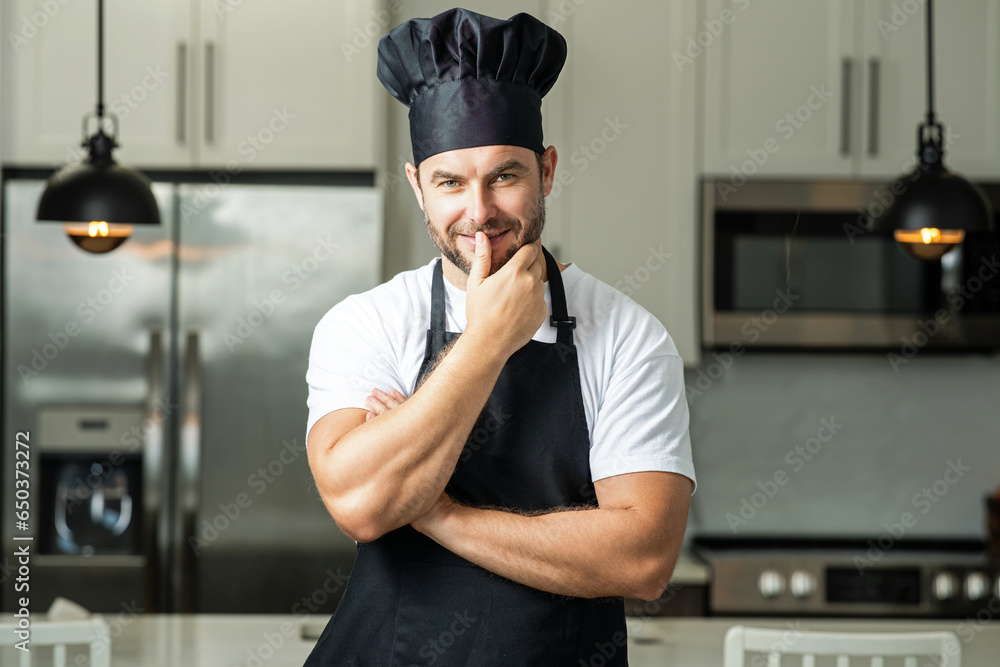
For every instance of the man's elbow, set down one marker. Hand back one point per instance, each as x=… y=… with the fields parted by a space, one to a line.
x=355 y=519
x=653 y=577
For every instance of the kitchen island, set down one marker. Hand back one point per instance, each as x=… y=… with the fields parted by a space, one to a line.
x=278 y=641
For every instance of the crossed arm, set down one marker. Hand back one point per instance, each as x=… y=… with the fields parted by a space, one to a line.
x=628 y=545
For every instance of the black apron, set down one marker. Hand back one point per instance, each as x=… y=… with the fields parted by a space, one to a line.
x=410 y=601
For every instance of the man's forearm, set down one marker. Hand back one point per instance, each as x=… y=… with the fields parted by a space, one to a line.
x=390 y=470
x=584 y=553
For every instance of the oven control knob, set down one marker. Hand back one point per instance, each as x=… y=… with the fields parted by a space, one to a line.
x=977 y=586
x=945 y=586
x=801 y=584
x=771 y=583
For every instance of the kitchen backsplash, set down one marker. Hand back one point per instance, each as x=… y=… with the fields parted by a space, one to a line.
x=844 y=444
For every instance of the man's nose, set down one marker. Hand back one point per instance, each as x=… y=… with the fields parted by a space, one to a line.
x=481 y=205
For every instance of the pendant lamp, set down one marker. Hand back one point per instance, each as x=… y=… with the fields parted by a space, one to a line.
x=934 y=208
x=98 y=201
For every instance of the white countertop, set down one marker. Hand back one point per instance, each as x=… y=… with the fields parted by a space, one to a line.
x=275 y=641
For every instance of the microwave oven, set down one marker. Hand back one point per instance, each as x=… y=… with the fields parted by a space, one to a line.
x=794 y=264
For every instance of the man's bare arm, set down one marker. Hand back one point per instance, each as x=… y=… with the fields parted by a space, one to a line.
x=375 y=476
x=628 y=546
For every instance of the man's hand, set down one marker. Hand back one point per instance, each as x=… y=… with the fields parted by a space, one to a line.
x=507 y=308
x=379 y=402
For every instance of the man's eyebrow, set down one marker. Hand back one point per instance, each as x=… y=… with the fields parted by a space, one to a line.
x=513 y=164
x=441 y=175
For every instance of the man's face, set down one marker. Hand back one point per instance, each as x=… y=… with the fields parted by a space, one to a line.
x=499 y=190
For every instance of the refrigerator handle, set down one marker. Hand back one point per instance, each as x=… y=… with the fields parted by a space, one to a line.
x=189 y=468
x=154 y=541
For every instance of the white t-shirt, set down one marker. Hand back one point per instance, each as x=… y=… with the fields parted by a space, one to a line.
x=630 y=373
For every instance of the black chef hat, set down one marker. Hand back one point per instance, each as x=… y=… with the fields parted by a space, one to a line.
x=471 y=80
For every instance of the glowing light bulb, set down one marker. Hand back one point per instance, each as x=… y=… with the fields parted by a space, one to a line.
x=928 y=243
x=98 y=228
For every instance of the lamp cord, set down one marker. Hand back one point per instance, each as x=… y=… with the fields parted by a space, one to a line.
x=100 y=62
x=930 y=62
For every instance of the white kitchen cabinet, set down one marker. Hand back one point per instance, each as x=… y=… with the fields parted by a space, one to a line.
x=966 y=81
x=763 y=71
x=51 y=79
x=777 y=86
x=288 y=84
x=196 y=83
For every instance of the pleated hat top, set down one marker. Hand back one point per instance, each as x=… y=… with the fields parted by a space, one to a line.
x=471 y=80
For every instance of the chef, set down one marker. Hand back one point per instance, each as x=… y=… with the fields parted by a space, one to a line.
x=504 y=435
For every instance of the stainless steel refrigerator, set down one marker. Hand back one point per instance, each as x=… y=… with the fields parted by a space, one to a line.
x=163 y=388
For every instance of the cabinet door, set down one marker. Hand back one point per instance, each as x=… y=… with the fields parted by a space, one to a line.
x=288 y=84
x=51 y=79
x=777 y=99
x=966 y=80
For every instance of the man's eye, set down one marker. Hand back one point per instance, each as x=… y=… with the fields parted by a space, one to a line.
x=505 y=177
x=449 y=184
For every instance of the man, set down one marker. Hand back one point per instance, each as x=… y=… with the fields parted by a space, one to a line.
x=507 y=486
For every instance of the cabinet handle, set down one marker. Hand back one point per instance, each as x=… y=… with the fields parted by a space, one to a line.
x=209 y=92
x=874 y=86
x=845 y=107
x=181 y=110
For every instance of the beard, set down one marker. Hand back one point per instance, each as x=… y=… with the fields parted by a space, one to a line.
x=525 y=233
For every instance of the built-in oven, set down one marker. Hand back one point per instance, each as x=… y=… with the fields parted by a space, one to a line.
x=795 y=264
x=877 y=576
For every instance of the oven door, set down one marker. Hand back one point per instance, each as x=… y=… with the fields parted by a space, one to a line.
x=793 y=265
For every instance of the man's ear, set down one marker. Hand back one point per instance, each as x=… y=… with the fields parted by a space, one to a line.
x=549 y=160
x=411 y=176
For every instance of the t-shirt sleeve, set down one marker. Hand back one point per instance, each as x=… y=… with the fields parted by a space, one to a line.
x=349 y=356
x=642 y=424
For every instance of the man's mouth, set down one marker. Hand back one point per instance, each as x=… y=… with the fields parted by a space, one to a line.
x=495 y=238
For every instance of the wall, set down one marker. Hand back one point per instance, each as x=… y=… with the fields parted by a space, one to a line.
x=854 y=441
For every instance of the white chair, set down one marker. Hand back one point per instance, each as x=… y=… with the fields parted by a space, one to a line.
x=842 y=645
x=93 y=631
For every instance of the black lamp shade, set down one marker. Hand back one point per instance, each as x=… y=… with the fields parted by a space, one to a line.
x=936 y=199
x=108 y=192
